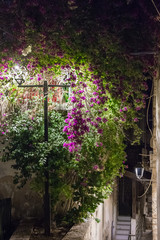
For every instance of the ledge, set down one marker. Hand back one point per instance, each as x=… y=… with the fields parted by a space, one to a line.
x=79 y=232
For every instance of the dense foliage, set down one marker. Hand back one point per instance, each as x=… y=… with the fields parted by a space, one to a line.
x=27 y=147
x=89 y=179
x=88 y=43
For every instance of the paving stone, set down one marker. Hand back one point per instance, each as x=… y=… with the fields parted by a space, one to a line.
x=23 y=231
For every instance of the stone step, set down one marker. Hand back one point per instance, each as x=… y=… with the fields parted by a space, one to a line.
x=125 y=223
x=124 y=227
x=124 y=218
x=121 y=237
x=122 y=232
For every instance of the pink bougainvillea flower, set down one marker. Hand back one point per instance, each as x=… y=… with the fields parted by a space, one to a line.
x=138 y=108
x=105 y=120
x=65 y=144
x=95 y=167
x=98 y=119
x=83 y=98
x=135 y=119
x=100 y=131
x=65 y=128
x=123 y=119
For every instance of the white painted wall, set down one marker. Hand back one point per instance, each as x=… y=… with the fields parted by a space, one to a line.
x=91 y=230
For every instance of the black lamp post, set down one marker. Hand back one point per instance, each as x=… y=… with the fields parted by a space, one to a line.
x=47 y=209
x=139 y=170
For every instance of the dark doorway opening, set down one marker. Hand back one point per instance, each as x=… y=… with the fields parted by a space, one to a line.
x=125 y=196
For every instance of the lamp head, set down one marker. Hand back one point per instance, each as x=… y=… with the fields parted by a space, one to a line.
x=20 y=81
x=139 y=170
x=19 y=74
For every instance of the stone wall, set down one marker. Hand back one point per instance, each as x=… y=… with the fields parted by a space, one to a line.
x=25 y=202
x=91 y=230
x=154 y=161
x=139 y=226
x=157 y=147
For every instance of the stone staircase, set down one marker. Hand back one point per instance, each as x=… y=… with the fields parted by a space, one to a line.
x=123 y=227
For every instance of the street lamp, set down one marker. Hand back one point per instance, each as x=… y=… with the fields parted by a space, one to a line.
x=47 y=209
x=20 y=81
x=19 y=74
x=139 y=170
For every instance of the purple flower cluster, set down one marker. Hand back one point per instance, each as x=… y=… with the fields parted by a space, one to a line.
x=76 y=128
x=39 y=77
x=79 y=121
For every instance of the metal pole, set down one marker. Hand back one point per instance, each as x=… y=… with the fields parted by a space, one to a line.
x=47 y=212
x=45 y=111
x=47 y=205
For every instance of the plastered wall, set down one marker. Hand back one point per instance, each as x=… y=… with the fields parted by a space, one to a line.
x=91 y=230
x=25 y=202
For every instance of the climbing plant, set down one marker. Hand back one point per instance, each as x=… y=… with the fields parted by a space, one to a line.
x=71 y=40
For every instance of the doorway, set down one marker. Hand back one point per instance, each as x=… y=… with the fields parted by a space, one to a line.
x=125 y=196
